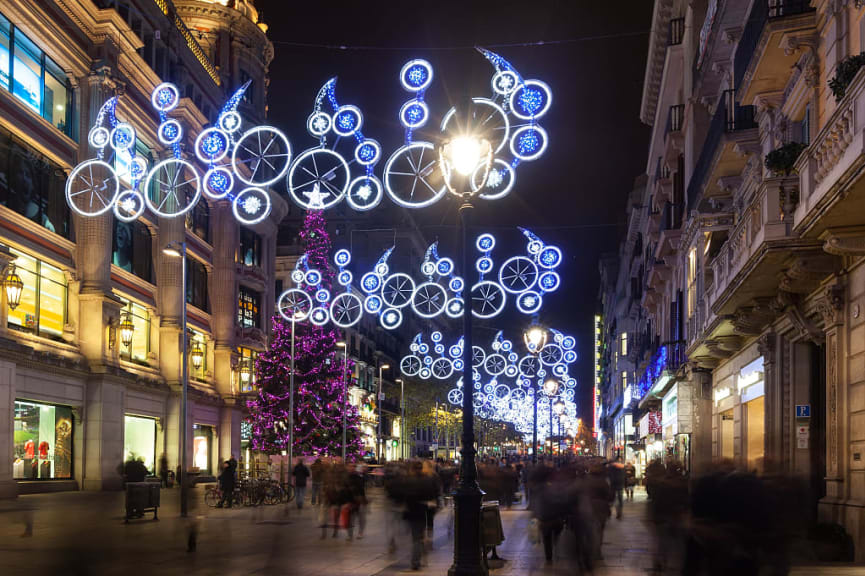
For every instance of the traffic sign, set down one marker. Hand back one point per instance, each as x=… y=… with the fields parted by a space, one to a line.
x=803 y=410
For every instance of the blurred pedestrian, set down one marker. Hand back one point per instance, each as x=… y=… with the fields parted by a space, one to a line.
x=300 y=473
x=227 y=482
x=617 y=483
x=357 y=486
x=630 y=480
x=316 y=471
x=163 y=470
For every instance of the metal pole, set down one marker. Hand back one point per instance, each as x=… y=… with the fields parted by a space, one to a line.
x=535 y=422
x=402 y=427
x=344 y=396
x=436 y=452
x=551 y=425
x=291 y=404
x=184 y=465
x=378 y=401
x=468 y=495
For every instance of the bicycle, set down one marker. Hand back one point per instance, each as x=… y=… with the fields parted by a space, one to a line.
x=213 y=496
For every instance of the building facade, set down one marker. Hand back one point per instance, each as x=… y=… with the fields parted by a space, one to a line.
x=752 y=231
x=80 y=396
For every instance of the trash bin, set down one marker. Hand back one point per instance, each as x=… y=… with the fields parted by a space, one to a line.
x=492 y=533
x=141 y=497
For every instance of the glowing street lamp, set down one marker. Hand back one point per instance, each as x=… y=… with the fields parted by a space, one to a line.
x=551 y=387
x=197 y=355
x=535 y=338
x=14 y=288
x=127 y=329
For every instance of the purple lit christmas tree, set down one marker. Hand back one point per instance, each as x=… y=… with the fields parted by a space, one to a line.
x=318 y=379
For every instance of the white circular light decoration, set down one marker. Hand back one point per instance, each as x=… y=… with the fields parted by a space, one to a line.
x=322 y=295
x=549 y=281
x=391 y=318
x=346 y=310
x=456 y=284
x=560 y=370
x=344 y=278
x=550 y=257
x=318 y=123
x=428 y=268
x=178 y=185
x=294 y=303
x=487 y=117
x=455 y=307
x=122 y=136
x=319 y=316
x=500 y=180
x=484 y=264
x=251 y=206
x=528 y=142
x=264 y=152
x=458 y=364
x=92 y=188
x=570 y=356
x=373 y=304
x=230 y=122
x=165 y=97
x=364 y=193
x=429 y=300
x=211 y=145
x=398 y=290
x=511 y=371
x=504 y=82
x=367 y=152
x=129 y=205
x=488 y=299
x=312 y=277
x=535 y=246
x=529 y=302
x=170 y=132
x=414 y=114
x=416 y=75
x=551 y=354
x=412 y=177
x=425 y=373
x=442 y=368
x=98 y=137
x=439 y=348
x=347 y=120
x=518 y=274
x=531 y=100
x=382 y=269
x=370 y=282
x=436 y=336
x=485 y=242
x=297 y=276
x=218 y=182
x=318 y=178
x=410 y=365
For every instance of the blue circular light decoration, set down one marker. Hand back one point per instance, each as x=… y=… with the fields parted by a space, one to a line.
x=372 y=304
x=529 y=302
x=414 y=114
x=528 y=142
x=560 y=369
x=568 y=342
x=427 y=360
x=230 y=121
x=170 y=132
x=367 y=152
x=458 y=364
x=211 y=145
x=549 y=281
x=531 y=100
x=541 y=373
x=550 y=257
x=344 y=278
x=444 y=266
x=439 y=348
x=416 y=75
x=347 y=120
x=318 y=123
x=570 y=356
x=485 y=242
x=456 y=284
x=322 y=295
x=571 y=383
x=484 y=264
x=455 y=351
x=392 y=318
x=436 y=336
x=423 y=348
x=165 y=97
x=122 y=136
x=313 y=277
x=513 y=357
x=218 y=182
x=370 y=282
x=507 y=345
x=342 y=257
x=319 y=316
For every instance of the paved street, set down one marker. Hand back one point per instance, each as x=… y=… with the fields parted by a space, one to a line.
x=84 y=533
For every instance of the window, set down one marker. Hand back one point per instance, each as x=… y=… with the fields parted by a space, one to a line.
x=197 y=340
x=123 y=162
x=140 y=346
x=692 y=282
x=248 y=308
x=42 y=309
x=196 y=284
x=247 y=369
x=250 y=248
x=35 y=79
x=32 y=185
x=198 y=220
x=42 y=441
x=805 y=126
x=623 y=340
x=133 y=248
x=139 y=441
x=202 y=447
x=624 y=381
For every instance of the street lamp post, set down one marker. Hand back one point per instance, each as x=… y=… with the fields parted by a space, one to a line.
x=344 y=345
x=380 y=387
x=178 y=250
x=402 y=428
x=551 y=388
x=535 y=338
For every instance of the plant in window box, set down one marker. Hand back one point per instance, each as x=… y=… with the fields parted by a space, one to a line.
x=782 y=162
x=845 y=71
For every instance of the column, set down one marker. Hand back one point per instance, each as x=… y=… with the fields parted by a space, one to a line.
x=229 y=432
x=767 y=344
x=8 y=486
x=103 y=434
x=832 y=309
x=223 y=296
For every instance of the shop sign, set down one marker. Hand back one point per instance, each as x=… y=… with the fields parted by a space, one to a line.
x=655 y=422
x=803 y=433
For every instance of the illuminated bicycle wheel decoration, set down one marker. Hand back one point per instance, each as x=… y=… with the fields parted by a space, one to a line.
x=495 y=364
x=518 y=274
x=346 y=310
x=528 y=366
x=412 y=177
x=172 y=188
x=487 y=117
x=261 y=156
x=455 y=396
x=294 y=304
x=398 y=290
x=410 y=365
x=488 y=299
x=429 y=300
x=442 y=368
x=478 y=356
x=551 y=354
x=318 y=179
x=92 y=188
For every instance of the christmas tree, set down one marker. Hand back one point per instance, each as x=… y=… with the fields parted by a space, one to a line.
x=318 y=378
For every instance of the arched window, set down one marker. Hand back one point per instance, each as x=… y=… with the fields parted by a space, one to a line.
x=133 y=248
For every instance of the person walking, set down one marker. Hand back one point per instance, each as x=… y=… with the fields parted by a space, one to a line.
x=617 y=483
x=317 y=470
x=630 y=480
x=227 y=482
x=300 y=473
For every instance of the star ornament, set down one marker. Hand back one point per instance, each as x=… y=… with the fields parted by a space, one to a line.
x=128 y=205
x=252 y=205
x=364 y=192
x=316 y=196
x=495 y=179
x=320 y=124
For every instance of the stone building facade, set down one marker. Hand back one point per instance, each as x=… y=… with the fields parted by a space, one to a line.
x=76 y=400
x=752 y=230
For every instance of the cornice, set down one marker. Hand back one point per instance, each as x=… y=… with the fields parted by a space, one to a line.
x=656 y=58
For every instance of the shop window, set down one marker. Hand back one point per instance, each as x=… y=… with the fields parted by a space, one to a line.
x=32 y=185
x=250 y=248
x=196 y=284
x=42 y=445
x=139 y=441
x=623 y=339
x=198 y=220
x=727 y=435
x=248 y=311
x=247 y=369
x=202 y=447
x=35 y=79
x=42 y=309
x=755 y=416
x=140 y=347
x=198 y=341
x=133 y=248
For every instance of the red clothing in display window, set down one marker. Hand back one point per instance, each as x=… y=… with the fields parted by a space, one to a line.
x=29 y=450
x=43 y=450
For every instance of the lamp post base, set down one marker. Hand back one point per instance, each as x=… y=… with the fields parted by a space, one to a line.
x=468 y=556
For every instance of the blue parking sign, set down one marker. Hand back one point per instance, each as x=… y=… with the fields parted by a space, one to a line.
x=803 y=410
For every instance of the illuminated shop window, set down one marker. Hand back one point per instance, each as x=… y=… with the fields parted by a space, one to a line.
x=42 y=441
x=247 y=369
x=248 y=308
x=42 y=309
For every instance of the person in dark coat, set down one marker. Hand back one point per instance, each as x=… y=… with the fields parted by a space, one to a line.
x=227 y=482
x=300 y=473
x=617 y=483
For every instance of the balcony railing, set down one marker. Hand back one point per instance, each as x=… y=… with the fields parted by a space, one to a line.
x=671 y=218
x=781 y=8
x=666 y=360
x=750 y=38
x=662 y=171
x=675 y=117
x=677 y=32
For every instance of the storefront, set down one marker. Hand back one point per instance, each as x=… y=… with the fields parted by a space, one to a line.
x=739 y=411
x=139 y=440
x=42 y=441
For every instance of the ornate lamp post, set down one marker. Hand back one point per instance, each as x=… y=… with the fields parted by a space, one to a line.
x=551 y=388
x=535 y=338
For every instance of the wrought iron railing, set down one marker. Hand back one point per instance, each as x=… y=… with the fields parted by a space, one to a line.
x=675 y=118
x=677 y=32
x=669 y=356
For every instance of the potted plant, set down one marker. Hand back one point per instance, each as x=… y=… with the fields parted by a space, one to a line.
x=782 y=162
x=845 y=71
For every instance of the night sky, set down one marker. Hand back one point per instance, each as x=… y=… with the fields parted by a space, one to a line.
x=594 y=60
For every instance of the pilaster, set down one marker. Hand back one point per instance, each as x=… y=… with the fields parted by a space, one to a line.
x=832 y=309
x=8 y=486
